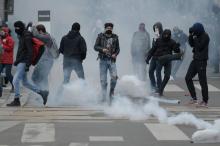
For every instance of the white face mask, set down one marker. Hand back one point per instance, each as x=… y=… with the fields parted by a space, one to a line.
x=157 y=34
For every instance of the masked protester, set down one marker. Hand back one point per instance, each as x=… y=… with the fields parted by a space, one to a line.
x=139 y=47
x=7 y=44
x=107 y=44
x=42 y=70
x=158 y=29
x=163 y=46
x=199 y=41
x=22 y=63
x=73 y=47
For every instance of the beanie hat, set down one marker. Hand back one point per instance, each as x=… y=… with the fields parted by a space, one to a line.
x=76 y=26
x=109 y=25
x=19 y=24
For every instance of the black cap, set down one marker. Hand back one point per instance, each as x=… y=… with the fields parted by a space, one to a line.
x=76 y=26
x=109 y=25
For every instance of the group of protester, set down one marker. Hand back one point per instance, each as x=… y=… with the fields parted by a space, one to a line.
x=167 y=52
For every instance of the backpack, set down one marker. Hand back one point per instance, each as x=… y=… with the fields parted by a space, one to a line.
x=38 y=50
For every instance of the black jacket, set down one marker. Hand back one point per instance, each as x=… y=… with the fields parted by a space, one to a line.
x=73 y=45
x=200 y=46
x=25 y=49
x=102 y=42
x=162 y=47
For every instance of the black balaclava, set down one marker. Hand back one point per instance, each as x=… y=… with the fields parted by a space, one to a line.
x=76 y=27
x=108 y=25
x=166 y=35
x=21 y=27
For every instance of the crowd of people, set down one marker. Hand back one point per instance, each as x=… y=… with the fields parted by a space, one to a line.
x=166 y=52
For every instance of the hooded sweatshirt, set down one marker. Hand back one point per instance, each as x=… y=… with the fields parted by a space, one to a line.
x=199 y=40
x=73 y=45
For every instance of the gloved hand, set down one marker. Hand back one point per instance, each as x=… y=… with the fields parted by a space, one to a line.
x=26 y=69
x=15 y=63
x=147 y=61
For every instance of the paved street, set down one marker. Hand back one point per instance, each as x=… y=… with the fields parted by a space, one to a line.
x=89 y=126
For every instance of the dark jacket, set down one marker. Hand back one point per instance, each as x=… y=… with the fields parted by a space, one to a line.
x=73 y=45
x=162 y=47
x=25 y=49
x=200 y=46
x=102 y=42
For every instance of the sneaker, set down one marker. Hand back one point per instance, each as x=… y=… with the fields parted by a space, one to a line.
x=171 y=78
x=44 y=95
x=202 y=104
x=193 y=102
x=14 y=103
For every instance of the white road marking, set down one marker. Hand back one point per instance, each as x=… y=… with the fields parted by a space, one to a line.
x=4 y=125
x=166 y=132
x=173 y=88
x=210 y=87
x=38 y=132
x=78 y=144
x=106 y=138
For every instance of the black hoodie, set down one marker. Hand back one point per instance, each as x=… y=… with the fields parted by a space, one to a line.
x=25 y=49
x=73 y=45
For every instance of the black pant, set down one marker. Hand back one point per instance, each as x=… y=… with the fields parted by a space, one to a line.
x=197 y=67
x=8 y=68
x=167 y=72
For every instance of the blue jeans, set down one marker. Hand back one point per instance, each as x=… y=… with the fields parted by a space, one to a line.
x=70 y=64
x=175 y=67
x=41 y=73
x=153 y=66
x=104 y=66
x=19 y=76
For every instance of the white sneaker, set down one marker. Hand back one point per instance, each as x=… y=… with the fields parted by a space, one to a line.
x=171 y=78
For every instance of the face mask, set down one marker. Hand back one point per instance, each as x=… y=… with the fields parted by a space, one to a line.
x=108 y=31
x=157 y=33
x=18 y=31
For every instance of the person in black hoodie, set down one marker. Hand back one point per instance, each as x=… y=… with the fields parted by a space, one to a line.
x=23 y=62
x=158 y=29
x=73 y=47
x=107 y=44
x=199 y=41
x=162 y=47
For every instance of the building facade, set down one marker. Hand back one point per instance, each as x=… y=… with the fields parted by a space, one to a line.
x=2 y=10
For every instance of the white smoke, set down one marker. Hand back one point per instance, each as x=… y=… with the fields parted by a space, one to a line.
x=208 y=135
x=78 y=92
x=123 y=106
